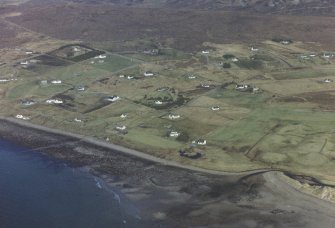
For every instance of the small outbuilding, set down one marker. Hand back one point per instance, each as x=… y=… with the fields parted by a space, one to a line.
x=112 y=98
x=148 y=74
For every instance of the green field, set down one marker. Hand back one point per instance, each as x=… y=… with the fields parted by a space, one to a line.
x=113 y=63
x=304 y=73
x=284 y=124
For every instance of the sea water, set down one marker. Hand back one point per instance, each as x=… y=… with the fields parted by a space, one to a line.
x=37 y=191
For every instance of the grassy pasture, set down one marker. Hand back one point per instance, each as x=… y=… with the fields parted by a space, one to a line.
x=112 y=63
x=303 y=73
x=251 y=130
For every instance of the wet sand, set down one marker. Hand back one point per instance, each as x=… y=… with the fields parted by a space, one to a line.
x=179 y=196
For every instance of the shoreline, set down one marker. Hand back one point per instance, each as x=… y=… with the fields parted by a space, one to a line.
x=142 y=155
x=172 y=193
x=127 y=151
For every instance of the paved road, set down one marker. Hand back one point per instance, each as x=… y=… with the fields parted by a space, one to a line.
x=130 y=151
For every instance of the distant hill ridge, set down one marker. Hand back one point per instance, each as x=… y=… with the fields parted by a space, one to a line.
x=300 y=7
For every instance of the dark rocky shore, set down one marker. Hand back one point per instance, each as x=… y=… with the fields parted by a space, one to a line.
x=176 y=197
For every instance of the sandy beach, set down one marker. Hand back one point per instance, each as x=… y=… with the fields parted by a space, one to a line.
x=176 y=195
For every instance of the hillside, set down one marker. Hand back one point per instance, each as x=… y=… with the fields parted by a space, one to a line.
x=181 y=29
x=301 y=7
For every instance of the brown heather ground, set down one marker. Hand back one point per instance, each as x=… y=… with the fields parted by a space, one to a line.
x=185 y=29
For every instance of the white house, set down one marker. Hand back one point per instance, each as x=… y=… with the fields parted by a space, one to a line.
x=8 y=80
x=28 y=102
x=151 y=52
x=121 y=128
x=121 y=76
x=238 y=87
x=22 y=117
x=158 y=102
x=255 y=89
x=205 y=85
x=56 y=82
x=205 y=52
x=303 y=56
x=76 y=49
x=130 y=77
x=78 y=120
x=100 y=57
x=124 y=115
x=200 y=142
x=285 y=42
x=29 y=52
x=327 y=80
x=112 y=98
x=162 y=89
x=80 y=88
x=215 y=108
x=327 y=55
x=34 y=61
x=254 y=49
x=148 y=74
x=54 y=101
x=234 y=60
x=44 y=83
x=58 y=101
x=174 y=134
x=191 y=76
x=174 y=116
x=24 y=63
x=312 y=55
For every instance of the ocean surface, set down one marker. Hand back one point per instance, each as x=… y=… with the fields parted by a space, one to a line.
x=36 y=191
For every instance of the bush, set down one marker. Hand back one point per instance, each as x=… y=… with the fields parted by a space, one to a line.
x=281 y=39
x=228 y=56
x=226 y=65
x=183 y=137
x=250 y=64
